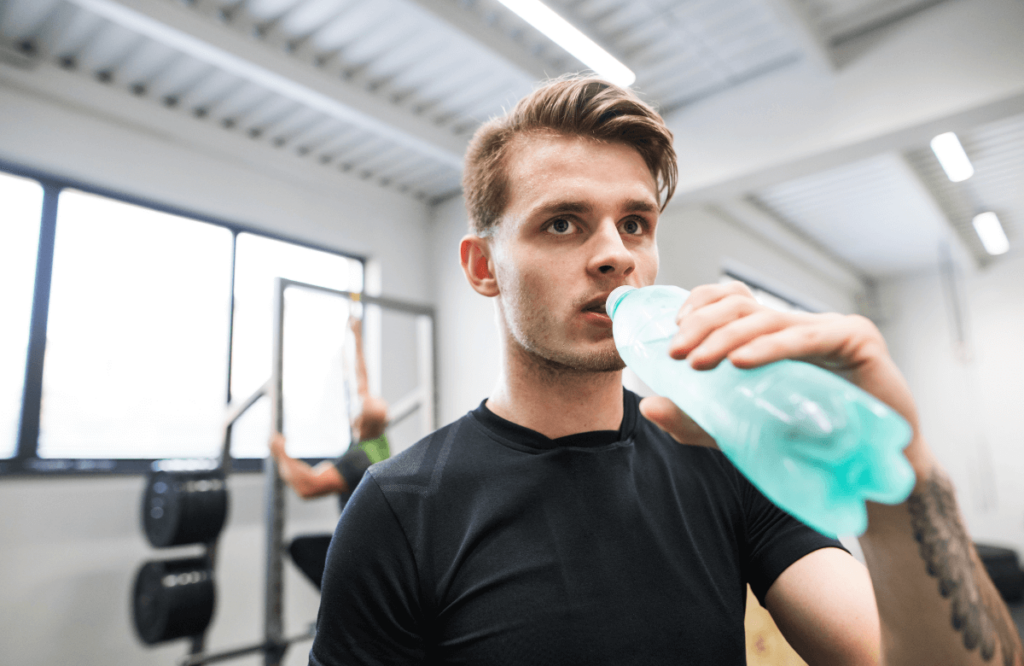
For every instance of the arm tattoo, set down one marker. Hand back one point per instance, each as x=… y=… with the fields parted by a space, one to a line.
x=977 y=610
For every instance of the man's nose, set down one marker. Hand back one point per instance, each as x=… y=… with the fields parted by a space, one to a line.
x=611 y=256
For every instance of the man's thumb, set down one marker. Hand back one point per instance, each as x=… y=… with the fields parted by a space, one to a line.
x=663 y=413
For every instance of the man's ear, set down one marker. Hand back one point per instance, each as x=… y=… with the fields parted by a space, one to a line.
x=474 y=253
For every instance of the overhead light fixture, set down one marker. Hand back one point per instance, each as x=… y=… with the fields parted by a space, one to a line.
x=952 y=157
x=563 y=33
x=991 y=233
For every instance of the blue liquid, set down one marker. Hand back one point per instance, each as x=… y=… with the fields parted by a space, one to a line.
x=815 y=444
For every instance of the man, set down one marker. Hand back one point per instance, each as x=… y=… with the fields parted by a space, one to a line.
x=557 y=524
x=342 y=476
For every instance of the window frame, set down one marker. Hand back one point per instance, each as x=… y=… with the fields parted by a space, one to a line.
x=25 y=462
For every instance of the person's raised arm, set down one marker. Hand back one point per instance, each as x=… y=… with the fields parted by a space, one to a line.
x=362 y=382
x=935 y=602
x=306 y=481
x=373 y=410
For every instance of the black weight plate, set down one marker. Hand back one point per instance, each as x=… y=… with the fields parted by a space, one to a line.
x=181 y=508
x=173 y=599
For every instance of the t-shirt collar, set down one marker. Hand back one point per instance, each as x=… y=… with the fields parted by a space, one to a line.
x=515 y=433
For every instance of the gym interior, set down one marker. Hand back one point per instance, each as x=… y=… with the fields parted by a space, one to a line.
x=197 y=195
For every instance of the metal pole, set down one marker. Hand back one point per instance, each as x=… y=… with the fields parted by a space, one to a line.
x=273 y=629
x=211 y=657
x=235 y=411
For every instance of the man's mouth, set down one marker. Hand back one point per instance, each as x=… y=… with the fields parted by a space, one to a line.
x=596 y=305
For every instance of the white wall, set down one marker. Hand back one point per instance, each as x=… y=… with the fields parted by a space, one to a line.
x=970 y=405
x=467 y=335
x=71 y=546
x=696 y=244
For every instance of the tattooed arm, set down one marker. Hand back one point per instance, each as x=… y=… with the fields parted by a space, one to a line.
x=936 y=602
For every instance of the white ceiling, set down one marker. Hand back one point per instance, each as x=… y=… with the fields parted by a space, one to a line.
x=874 y=214
x=391 y=90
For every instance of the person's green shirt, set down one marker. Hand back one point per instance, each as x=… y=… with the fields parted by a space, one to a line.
x=376 y=449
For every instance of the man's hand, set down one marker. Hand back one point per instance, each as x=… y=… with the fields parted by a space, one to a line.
x=306 y=481
x=724 y=321
x=664 y=413
x=277 y=443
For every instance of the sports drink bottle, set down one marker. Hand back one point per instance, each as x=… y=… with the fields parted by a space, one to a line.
x=814 y=444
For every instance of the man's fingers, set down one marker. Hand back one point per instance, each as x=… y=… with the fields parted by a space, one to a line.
x=697 y=325
x=663 y=413
x=277 y=443
x=837 y=343
x=711 y=293
x=719 y=342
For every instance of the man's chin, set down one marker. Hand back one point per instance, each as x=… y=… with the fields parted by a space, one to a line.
x=581 y=362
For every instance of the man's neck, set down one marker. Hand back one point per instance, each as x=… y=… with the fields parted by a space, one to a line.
x=557 y=401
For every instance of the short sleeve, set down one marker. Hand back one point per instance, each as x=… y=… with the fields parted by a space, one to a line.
x=352 y=466
x=774 y=540
x=369 y=603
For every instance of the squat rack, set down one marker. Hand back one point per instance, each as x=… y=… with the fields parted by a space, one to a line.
x=423 y=398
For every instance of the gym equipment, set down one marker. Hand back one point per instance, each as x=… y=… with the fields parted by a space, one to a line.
x=173 y=599
x=1004 y=569
x=181 y=508
x=422 y=399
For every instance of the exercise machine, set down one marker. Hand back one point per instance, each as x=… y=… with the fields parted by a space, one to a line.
x=175 y=598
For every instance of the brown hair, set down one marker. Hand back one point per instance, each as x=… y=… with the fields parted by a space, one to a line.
x=572 y=106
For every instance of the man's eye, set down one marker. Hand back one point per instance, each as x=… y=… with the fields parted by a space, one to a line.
x=632 y=227
x=561 y=226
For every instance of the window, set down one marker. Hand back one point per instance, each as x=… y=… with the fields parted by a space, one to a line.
x=315 y=390
x=20 y=215
x=153 y=321
x=137 y=338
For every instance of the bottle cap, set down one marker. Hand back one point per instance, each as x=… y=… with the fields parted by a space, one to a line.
x=615 y=297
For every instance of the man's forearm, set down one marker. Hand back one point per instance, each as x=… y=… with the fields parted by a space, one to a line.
x=936 y=602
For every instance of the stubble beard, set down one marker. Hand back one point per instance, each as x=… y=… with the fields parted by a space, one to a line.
x=531 y=331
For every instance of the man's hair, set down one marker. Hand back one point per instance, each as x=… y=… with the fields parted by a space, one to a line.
x=571 y=106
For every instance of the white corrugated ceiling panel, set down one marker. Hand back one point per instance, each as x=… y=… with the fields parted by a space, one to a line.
x=841 y=19
x=874 y=214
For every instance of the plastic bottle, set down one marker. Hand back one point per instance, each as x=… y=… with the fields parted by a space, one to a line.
x=814 y=444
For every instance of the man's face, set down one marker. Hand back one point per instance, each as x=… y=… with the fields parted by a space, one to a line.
x=580 y=221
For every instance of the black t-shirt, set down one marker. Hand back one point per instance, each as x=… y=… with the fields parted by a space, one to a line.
x=489 y=543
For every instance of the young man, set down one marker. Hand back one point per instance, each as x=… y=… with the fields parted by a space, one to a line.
x=341 y=476
x=565 y=522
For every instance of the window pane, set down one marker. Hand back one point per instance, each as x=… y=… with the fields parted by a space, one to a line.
x=20 y=212
x=136 y=353
x=315 y=329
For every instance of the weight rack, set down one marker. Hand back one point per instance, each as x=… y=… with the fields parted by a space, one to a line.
x=179 y=595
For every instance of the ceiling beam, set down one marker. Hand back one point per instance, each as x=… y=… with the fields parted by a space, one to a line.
x=470 y=23
x=794 y=15
x=188 y=31
x=955 y=67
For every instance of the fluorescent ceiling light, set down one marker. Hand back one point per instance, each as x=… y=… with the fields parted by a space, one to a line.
x=564 y=34
x=952 y=157
x=991 y=233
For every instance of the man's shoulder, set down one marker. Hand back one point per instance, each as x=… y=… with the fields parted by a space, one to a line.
x=420 y=468
x=689 y=463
